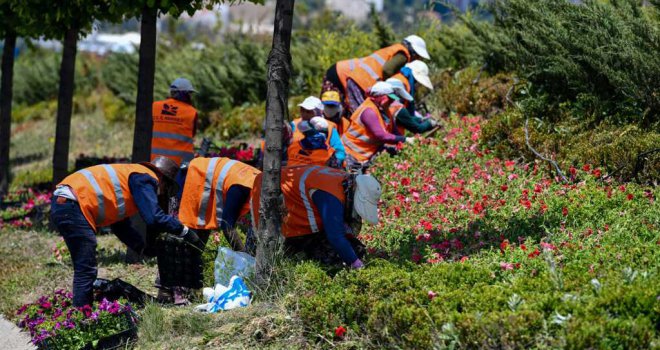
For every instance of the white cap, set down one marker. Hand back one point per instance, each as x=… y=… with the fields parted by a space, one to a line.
x=182 y=84
x=319 y=123
x=399 y=88
x=311 y=103
x=382 y=88
x=419 y=45
x=420 y=72
x=367 y=195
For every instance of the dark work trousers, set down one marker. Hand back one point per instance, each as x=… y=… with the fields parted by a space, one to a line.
x=80 y=238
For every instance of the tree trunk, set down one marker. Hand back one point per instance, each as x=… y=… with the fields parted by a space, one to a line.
x=279 y=71
x=65 y=106
x=145 y=97
x=5 y=108
x=145 y=91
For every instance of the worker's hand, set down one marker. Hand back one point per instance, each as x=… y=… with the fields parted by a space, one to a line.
x=433 y=122
x=191 y=237
x=410 y=140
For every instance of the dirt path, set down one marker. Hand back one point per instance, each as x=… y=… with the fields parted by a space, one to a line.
x=12 y=337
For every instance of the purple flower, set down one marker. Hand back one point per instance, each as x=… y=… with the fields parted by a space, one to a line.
x=46 y=305
x=22 y=309
x=94 y=316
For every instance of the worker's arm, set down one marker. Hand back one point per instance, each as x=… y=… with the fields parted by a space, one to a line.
x=370 y=120
x=394 y=65
x=332 y=215
x=235 y=199
x=335 y=142
x=412 y=123
x=144 y=189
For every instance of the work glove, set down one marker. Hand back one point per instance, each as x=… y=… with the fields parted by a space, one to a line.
x=410 y=140
x=190 y=236
x=433 y=122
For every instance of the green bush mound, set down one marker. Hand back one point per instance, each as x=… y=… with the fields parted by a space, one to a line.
x=478 y=252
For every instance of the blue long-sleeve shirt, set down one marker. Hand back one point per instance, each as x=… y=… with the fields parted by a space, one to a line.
x=144 y=189
x=335 y=143
x=332 y=215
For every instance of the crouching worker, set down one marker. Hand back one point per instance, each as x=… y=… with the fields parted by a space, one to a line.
x=314 y=148
x=216 y=193
x=320 y=200
x=107 y=195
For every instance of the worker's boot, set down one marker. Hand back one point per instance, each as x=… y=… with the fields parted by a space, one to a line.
x=180 y=296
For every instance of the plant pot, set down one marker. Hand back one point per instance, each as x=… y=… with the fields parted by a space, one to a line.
x=115 y=341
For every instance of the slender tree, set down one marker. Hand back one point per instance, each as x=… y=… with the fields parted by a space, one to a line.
x=65 y=21
x=279 y=72
x=8 y=30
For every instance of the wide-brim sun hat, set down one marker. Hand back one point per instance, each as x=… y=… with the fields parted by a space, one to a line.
x=420 y=72
x=382 y=88
x=399 y=89
x=419 y=45
x=367 y=195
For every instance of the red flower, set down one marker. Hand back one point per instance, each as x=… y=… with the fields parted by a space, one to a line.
x=405 y=181
x=504 y=188
x=630 y=196
x=523 y=247
x=504 y=245
x=509 y=164
x=534 y=254
x=572 y=170
x=477 y=208
x=564 y=211
x=586 y=167
x=596 y=172
x=340 y=332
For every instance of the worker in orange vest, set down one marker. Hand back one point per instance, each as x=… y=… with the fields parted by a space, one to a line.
x=313 y=107
x=333 y=111
x=174 y=124
x=371 y=128
x=215 y=194
x=321 y=199
x=409 y=79
x=108 y=195
x=353 y=77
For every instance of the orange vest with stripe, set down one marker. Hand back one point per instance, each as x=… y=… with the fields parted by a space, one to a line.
x=297 y=182
x=205 y=190
x=358 y=141
x=103 y=193
x=394 y=108
x=296 y=155
x=173 y=130
x=366 y=71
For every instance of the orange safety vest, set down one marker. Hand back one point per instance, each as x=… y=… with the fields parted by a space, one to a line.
x=173 y=130
x=296 y=155
x=103 y=193
x=366 y=71
x=205 y=190
x=358 y=140
x=297 y=182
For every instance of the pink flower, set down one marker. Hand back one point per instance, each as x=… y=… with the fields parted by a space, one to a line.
x=505 y=266
x=432 y=294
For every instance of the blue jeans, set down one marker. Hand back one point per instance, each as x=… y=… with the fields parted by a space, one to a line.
x=80 y=238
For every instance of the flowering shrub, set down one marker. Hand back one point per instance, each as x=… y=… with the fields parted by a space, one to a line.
x=52 y=321
x=485 y=252
x=20 y=205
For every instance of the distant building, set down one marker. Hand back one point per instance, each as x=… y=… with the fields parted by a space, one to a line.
x=357 y=10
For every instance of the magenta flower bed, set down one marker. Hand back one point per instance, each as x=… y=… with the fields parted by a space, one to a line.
x=53 y=323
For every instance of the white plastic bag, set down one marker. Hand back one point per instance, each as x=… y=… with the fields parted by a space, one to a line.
x=229 y=263
x=235 y=295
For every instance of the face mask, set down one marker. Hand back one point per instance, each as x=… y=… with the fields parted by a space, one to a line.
x=332 y=112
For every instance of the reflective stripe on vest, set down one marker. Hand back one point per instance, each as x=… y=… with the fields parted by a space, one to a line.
x=368 y=69
x=304 y=195
x=378 y=59
x=204 y=203
x=98 y=192
x=219 y=202
x=172 y=136
x=119 y=195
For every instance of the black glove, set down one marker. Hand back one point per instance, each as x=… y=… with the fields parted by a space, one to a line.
x=190 y=236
